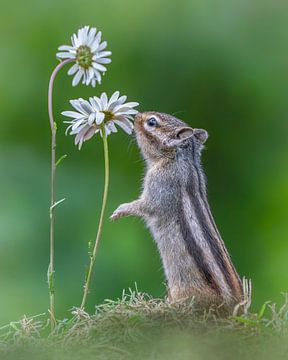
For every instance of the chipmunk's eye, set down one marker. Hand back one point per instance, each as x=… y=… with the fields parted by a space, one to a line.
x=152 y=121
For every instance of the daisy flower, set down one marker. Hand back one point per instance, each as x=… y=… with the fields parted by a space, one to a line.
x=92 y=115
x=87 y=51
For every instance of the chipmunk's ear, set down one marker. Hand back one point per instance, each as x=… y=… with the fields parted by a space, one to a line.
x=201 y=135
x=179 y=137
x=184 y=133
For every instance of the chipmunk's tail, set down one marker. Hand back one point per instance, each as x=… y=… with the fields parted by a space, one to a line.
x=245 y=304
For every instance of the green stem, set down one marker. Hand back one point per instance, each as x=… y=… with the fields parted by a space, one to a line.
x=100 y=226
x=51 y=270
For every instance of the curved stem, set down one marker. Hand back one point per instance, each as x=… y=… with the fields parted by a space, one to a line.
x=100 y=226
x=50 y=273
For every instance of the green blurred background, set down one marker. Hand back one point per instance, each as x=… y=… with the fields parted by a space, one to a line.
x=219 y=65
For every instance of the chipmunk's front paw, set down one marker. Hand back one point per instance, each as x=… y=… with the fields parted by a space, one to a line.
x=122 y=210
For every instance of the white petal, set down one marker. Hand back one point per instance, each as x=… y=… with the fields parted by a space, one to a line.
x=68 y=128
x=113 y=98
x=104 y=61
x=98 y=104
x=120 y=101
x=99 y=117
x=126 y=112
x=112 y=126
x=91 y=73
x=107 y=130
x=75 y=41
x=79 y=138
x=132 y=104
x=94 y=46
x=67 y=48
x=103 y=54
x=65 y=55
x=88 y=135
x=91 y=118
x=82 y=35
x=78 y=126
x=79 y=141
x=102 y=46
x=97 y=75
x=81 y=132
x=79 y=35
x=72 y=114
x=104 y=100
x=98 y=36
x=86 y=106
x=86 y=78
x=127 y=105
x=126 y=126
x=77 y=105
x=91 y=36
x=73 y=69
x=77 y=77
x=94 y=104
x=98 y=66
x=85 y=35
x=72 y=41
x=126 y=120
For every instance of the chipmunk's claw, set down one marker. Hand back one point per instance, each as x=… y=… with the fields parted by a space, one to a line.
x=119 y=212
x=115 y=216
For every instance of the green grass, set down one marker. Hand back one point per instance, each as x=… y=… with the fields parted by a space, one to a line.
x=140 y=327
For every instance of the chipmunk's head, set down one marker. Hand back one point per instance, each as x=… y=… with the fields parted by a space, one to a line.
x=161 y=134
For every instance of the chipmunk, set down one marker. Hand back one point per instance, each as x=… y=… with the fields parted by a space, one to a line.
x=175 y=207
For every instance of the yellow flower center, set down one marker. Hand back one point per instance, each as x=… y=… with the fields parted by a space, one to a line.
x=84 y=56
x=108 y=115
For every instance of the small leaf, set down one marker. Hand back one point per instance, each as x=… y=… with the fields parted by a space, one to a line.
x=56 y=204
x=262 y=310
x=60 y=159
x=245 y=320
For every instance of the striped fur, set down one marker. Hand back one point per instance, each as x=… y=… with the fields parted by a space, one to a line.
x=175 y=206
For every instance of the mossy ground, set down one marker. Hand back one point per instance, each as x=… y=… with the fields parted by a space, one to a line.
x=140 y=327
